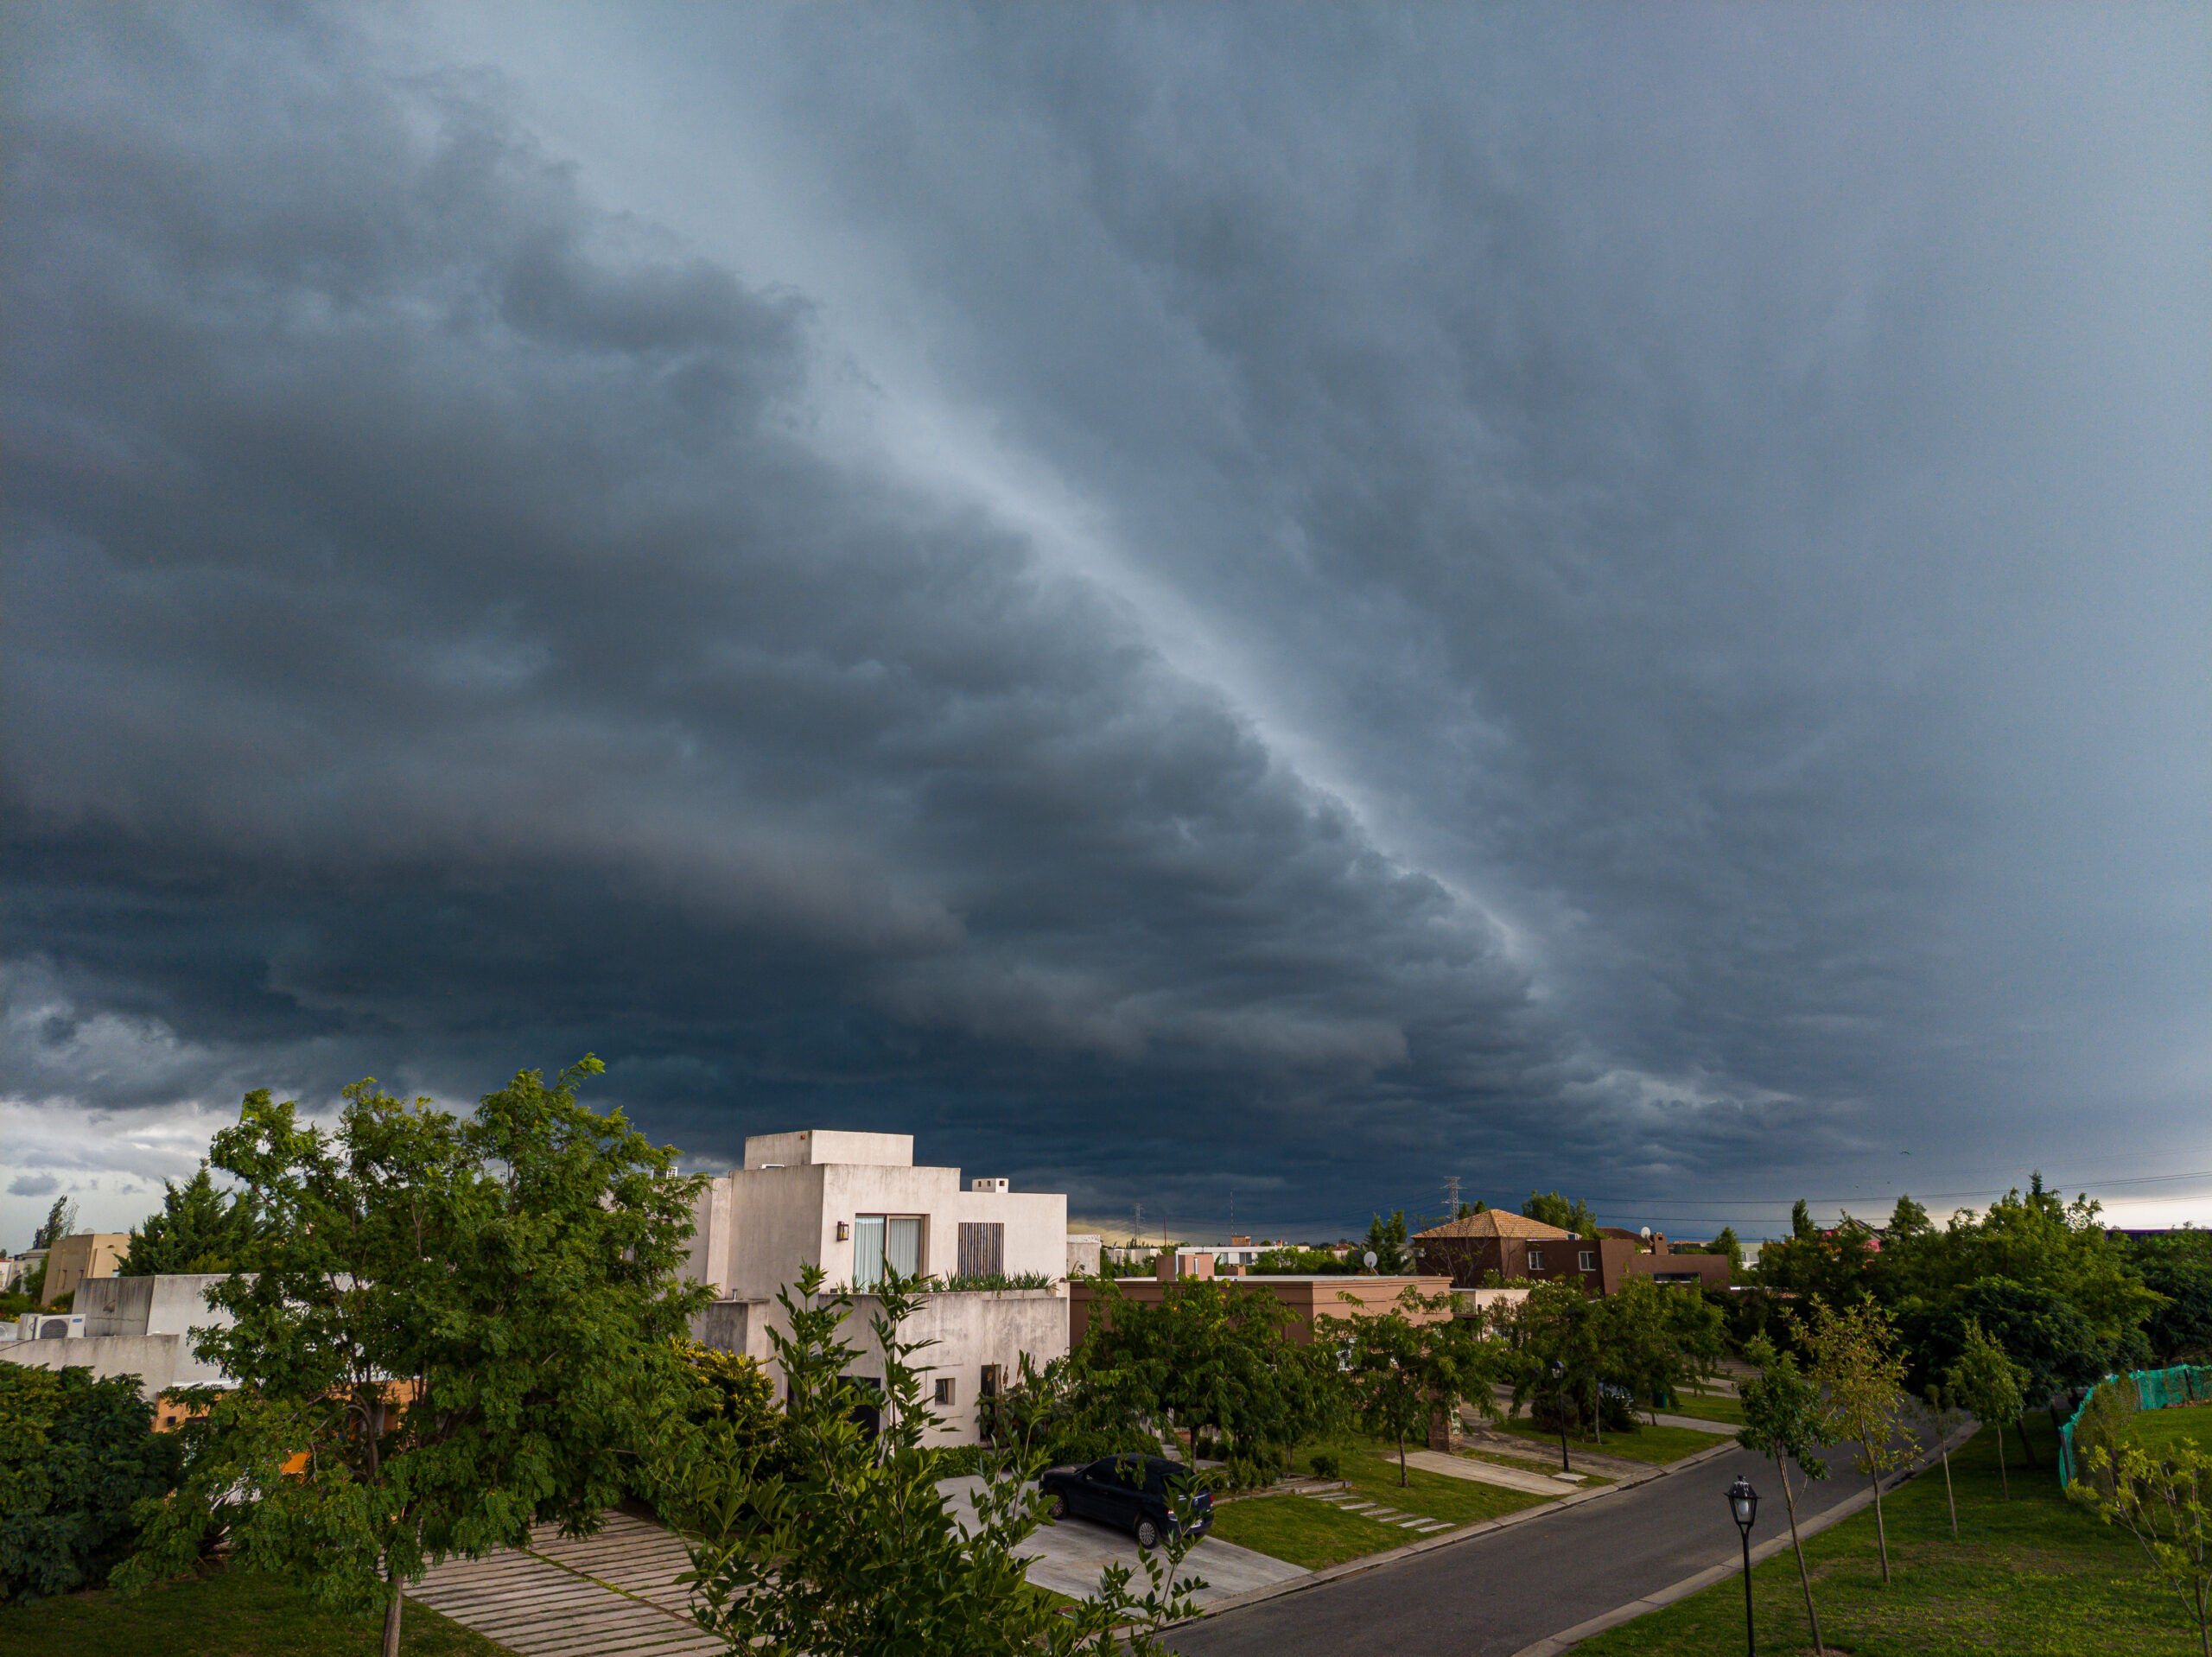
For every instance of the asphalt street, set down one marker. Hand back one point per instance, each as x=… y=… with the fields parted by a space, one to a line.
x=1493 y=1594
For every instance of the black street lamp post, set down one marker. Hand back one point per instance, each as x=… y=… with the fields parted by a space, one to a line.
x=1744 y=1507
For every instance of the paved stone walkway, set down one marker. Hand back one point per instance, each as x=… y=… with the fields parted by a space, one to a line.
x=1509 y=1478
x=1419 y=1524
x=614 y=1593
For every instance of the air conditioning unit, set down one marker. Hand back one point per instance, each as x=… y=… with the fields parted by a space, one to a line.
x=998 y=1187
x=51 y=1326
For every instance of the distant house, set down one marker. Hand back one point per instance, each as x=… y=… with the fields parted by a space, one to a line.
x=856 y=1205
x=88 y=1254
x=1514 y=1247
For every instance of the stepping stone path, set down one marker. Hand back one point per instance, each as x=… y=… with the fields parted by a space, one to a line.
x=614 y=1594
x=1344 y=1502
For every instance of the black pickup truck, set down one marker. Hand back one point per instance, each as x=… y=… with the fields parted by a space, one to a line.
x=1131 y=1493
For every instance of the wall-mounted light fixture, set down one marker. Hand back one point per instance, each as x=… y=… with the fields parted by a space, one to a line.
x=844 y=1231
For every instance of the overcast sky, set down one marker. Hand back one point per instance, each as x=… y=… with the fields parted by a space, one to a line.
x=1196 y=605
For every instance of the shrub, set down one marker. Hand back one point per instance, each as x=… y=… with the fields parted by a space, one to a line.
x=75 y=1455
x=1326 y=1465
x=1073 y=1449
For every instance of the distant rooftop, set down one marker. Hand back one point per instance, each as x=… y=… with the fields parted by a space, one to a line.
x=812 y=1147
x=1495 y=1222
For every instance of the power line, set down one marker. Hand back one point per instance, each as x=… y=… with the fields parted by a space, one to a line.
x=2052 y=1185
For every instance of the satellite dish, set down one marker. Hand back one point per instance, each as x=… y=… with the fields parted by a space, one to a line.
x=1647 y=1231
x=1370 y=1258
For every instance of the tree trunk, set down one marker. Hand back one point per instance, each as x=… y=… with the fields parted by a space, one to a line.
x=2026 y=1449
x=1950 y=1500
x=1881 y=1533
x=1403 y=1481
x=1804 y=1576
x=391 y=1615
x=2004 y=1479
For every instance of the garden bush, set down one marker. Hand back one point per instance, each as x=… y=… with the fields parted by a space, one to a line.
x=76 y=1454
x=1326 y=1465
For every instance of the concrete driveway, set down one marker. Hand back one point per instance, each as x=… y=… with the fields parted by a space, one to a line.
x=1067 y=1556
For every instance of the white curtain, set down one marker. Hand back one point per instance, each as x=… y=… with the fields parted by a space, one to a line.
x=868 y=1250
x=903 y=1249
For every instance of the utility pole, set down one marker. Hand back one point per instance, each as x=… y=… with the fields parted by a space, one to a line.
x=1452 y=1198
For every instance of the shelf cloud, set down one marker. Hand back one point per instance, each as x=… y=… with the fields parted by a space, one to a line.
x=1186 y=605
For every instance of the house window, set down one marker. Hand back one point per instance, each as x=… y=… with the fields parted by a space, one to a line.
x=993 y=1378
x=944 y=1389
x=1535 y=1260
x=885 y=1243
x=982 y=1249
x=1589 y=1259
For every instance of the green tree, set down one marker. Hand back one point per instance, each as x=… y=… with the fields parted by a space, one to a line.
x=61 y=1222
x=1386 y=1240
x=846 y=1548
x=1555 y=1210
x=1407 y=1362
x=1654 y=1339
x=1727 y=1242
x=1214 y=1357
x=1559 y=1358
x=2165 y=1502
x=76 y=1454
x=1785 y=1421
x=1802 y=1228
x=1907 y=1219
x=2177 y=1267
x=1986 y=1381
x=457 y=1330
x=1945 y=1413
x=1856 y=1364
x=198 y=1229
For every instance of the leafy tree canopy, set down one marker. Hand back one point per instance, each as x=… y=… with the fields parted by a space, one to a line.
x=1555 y=1210
x=1386 y=1240
x=1407 y=1360
x=198 y=1229
x=457 y=1328
x=76 y=1454
x=2179 y=1267
x=61 y=1222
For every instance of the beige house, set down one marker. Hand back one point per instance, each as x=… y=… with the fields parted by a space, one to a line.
x=856 y=1205
x=89 y=1253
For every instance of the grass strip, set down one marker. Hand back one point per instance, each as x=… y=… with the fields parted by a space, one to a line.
x=2033 y=1576
x=227 y=1614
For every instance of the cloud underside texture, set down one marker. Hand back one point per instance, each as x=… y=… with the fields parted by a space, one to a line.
x=1546 y=654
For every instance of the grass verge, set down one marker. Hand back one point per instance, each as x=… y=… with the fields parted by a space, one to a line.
x=2033 y=1576
x=2163 y=1429
x=229 y=1613
x=1306 y=1532
x=1706 y=1407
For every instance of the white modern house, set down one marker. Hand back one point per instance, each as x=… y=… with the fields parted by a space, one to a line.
x=127 y=1326
x=856 y=1205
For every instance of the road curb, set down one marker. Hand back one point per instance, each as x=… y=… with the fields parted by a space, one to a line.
x=1446 y=1539
x=1567 y=1639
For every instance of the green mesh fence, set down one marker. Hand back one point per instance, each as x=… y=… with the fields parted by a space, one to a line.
x=2123 y=1395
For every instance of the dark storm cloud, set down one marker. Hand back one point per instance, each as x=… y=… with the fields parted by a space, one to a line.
x=1586 y=737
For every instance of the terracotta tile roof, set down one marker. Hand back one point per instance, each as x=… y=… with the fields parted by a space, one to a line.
x=1495 y=1222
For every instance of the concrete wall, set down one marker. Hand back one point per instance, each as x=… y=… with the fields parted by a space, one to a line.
x=1701 y=1271
x=970 y=1330
x=814 y=1145
x=1310 y=1299
x=1082 y=1254
x=135 y=1326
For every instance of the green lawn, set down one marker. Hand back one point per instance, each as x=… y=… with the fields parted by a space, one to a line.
x=231 y=1613
x=1706 y=1407
x=1646 y=1443
x=2031 y=1577
x=1301 y=1530
x=1313 y=1533
x=2162 y=1429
